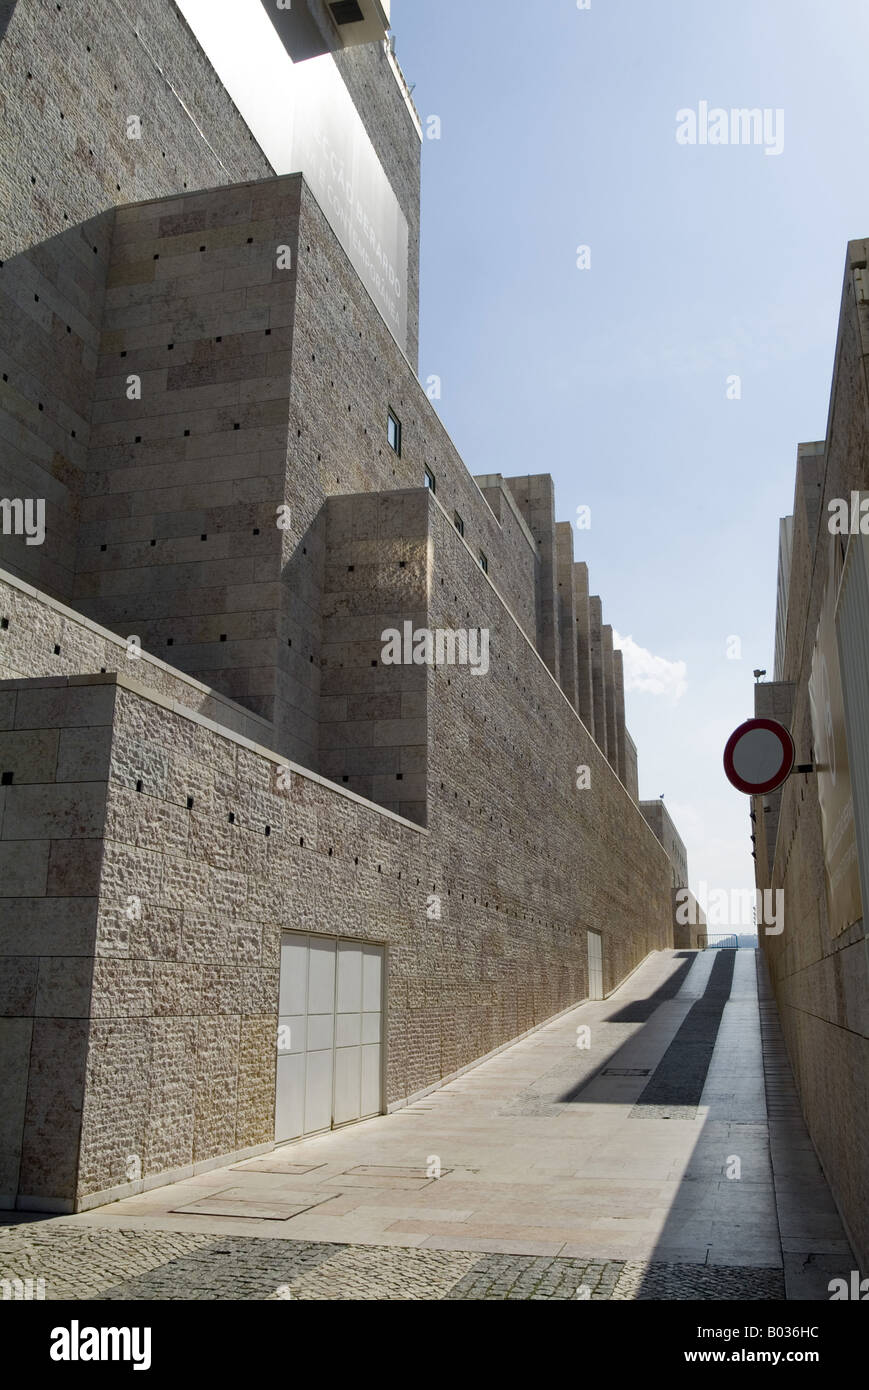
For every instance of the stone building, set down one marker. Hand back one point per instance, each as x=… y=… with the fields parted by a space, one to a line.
x=661 y=821
x=257 y=878
x=689 y=918
x=812 y=835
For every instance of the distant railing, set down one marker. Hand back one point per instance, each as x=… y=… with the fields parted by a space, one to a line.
x=717 y=941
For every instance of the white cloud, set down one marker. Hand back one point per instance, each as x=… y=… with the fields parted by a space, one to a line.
x=654 y=675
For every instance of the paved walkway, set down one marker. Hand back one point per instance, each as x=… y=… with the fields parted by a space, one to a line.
x=623 y=1151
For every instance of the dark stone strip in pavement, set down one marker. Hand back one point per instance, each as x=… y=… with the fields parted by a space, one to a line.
x=231 y=1268
x=519 y=1277
x=681 y=1074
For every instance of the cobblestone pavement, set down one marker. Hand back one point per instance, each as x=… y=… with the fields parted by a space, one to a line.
x=78 y=1263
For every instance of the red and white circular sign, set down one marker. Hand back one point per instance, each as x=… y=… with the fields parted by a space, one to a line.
x=759 y=756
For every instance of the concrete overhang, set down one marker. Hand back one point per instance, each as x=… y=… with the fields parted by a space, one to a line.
x=359 y=21
x=310 y=28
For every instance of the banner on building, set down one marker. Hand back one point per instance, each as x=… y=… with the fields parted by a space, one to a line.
x=306 y=121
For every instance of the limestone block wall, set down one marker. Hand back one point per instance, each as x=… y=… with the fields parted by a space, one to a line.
x=821 y=981
x=525 y=560
x=583 y=646
x=239 y=371
x=598 y=686
x=808 y=491
x=661 y=823
x=621 y=762
x=55 y=745
x=151 y=989
x=518 y=893
x=373 y=715
x=218 y=880
x=347 y=373
x=70 y=77
x=41 y=637
x=198 y=857
x=51 y=301
x=609 y=693
x=772 y=700
x=567 y=612
x=631 y=778
x=689 y=920
x=179 y=540
x=535 y=497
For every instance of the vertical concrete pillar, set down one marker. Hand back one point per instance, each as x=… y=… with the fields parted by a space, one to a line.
x=619 y=685
x=534 y=495
x=583 y=646
x=566 y=611
x=631 y=781
x=609 y=690
x=597 y=686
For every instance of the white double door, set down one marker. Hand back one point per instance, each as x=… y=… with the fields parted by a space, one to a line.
x=595 y=965
x=330 y=1021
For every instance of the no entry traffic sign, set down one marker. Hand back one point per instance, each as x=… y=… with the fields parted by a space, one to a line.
x=759 y=756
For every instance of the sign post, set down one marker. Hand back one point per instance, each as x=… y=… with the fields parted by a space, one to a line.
x=759 y=756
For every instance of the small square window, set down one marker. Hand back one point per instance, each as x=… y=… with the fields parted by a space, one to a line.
x=484 y=562
x=430 y=481
x=393 y=432
x=458 y=523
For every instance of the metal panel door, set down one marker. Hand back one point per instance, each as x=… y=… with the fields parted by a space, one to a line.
x=595 y=965
x=321 y=1034
x=292 y=1004
x=358 y=1032
x=329 y=1034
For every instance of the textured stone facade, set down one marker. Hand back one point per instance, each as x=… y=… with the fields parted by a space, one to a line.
x=661 y=821
x=260 y=767
x=820 y=976
x=71 y=77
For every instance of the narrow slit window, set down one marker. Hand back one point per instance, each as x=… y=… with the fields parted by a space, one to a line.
x=393 y=432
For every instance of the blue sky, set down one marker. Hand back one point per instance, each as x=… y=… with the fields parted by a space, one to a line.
x=707 y=261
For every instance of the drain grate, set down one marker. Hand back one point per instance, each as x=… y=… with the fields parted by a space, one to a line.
x=627 y=1071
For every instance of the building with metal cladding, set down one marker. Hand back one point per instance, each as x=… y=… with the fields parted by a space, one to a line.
x=315 y=783
x=812 y=835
